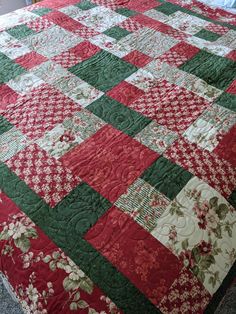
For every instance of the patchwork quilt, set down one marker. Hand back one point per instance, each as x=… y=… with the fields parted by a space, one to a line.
x=117 y=156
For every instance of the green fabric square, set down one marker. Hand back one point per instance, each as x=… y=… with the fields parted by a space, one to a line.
x=125 y=12
x=3 y=59
x=167 y=177
x=117 y=32
x=215 y=70
x=167 y=8
x=25 y=198
x=118 y=115
x=207 y=35
x=103 y=70
x=9 y=69
x=83 y=206
x=42 y=11
x=4 y=125
x=85 y=5
x=227 y=100
x=20 y=31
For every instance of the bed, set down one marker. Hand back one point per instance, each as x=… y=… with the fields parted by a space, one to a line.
x=117 y=156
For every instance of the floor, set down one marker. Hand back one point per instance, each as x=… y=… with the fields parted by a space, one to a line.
x=228 y=304
x=7 y=305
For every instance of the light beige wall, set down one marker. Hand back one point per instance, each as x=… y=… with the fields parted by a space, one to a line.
x=10 y=5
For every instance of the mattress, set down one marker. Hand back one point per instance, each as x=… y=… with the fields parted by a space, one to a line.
x=117 y=156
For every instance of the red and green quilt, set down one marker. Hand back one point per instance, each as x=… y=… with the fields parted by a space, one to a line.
x=118 y=156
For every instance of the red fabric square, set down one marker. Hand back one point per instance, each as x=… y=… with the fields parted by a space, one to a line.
x=70 y=24
x=57 y=4
x=56 y=17
x=226 y=149
x=231 y=55
x=185 y=287
x=232 y=88
x=109 y=161
x=137 y=58
x=44 y=174
x=7 y=206
x=67 y=59
x=159 y=26
x=30 y=60
x=130 y=25
x=148 y=21
x=74 y=55
x=112 y=4
x=85 y=50
x=185 y=49
x=217 y=172
x=170 y=105
x=125 y=93
x=218 y=29
x=86 y=32
x=39 y=24
x=140 y=5
x=108 y=228
x=62 y=20
x=40 y=111
x=135 y=253
x=179 y=54
x=7 y=96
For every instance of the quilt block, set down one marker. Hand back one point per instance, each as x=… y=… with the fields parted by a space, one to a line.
x=117 y=156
